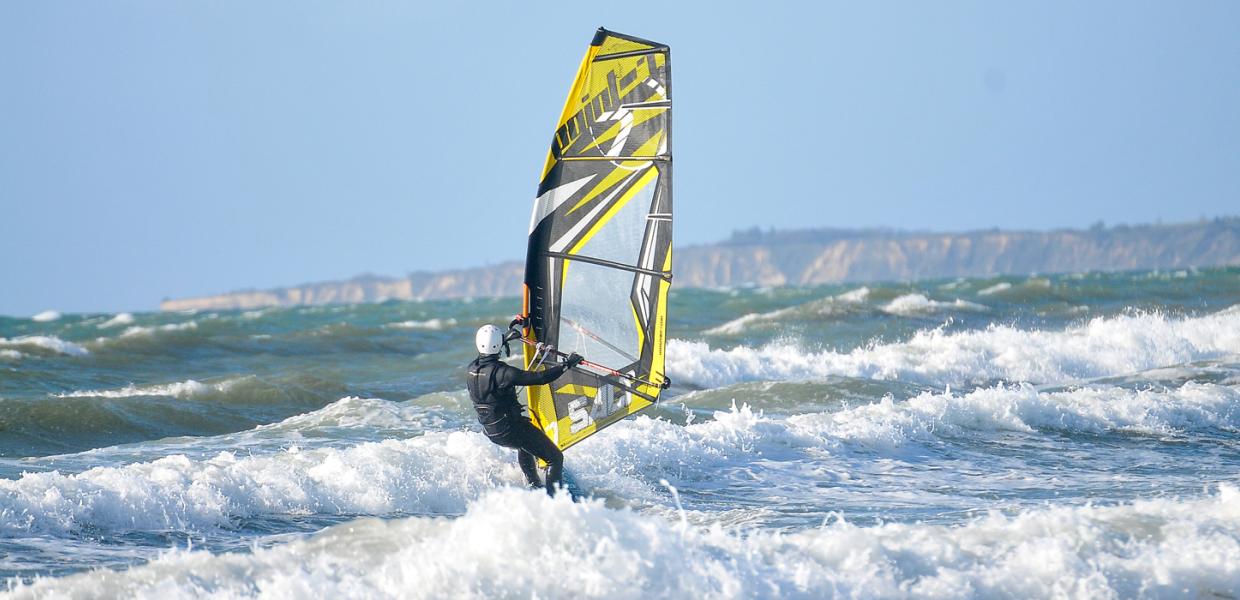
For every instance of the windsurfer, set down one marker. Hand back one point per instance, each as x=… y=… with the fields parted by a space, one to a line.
x=493 y=388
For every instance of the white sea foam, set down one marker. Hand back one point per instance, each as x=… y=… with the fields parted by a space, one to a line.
x=743 y=434
x=142 y=331
x=45 y=316
x=915 y=304
x=135 y=332
x=854 y=296
x=116 y=321
x=9 y=354
x=371 y=414
x=1192 y=407
x=738 y=325
x=180 y=389
x=441 y=471
x=501 y=547
x=431 y=324
x=45 y=343
x=822 y=306
x=1002 y=286
x=437 y=472
x=1105 y=346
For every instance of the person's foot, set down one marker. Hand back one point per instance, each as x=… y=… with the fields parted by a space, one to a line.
x=534 y=485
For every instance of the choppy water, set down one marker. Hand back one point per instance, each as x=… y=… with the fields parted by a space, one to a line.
x=1046 y=436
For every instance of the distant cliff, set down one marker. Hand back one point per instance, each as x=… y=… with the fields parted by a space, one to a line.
x=810 y=257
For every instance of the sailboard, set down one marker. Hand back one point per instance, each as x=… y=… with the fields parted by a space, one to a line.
x=599 y=262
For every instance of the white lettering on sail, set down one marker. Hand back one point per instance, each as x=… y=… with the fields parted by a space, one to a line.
x=602 y=402
x=579 y=417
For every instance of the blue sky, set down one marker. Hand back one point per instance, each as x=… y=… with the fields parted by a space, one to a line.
x=164 y=149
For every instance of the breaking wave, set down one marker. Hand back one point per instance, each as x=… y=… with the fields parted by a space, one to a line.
x=440 y=471
x=1002 y=286
x=43 y=344
x=117 y=321
x=745 y=436
x=180 y=389
x=421 y=474
x=432 y=324
x=916 y=304
x=146 y=331
x=500 y=548
x=78 y=420
x=1102 y=347
x=823 y=307
x=1191 y=408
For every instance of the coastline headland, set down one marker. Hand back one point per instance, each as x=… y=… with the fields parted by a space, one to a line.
x=813 y=257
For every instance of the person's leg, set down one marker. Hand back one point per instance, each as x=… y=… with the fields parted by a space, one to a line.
x=555 y=470
x=538 y=444
x=516 y=438
x=529 y=466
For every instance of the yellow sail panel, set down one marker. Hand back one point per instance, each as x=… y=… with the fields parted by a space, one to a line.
x=604 y=205
x=572 y=106
x=615 y=45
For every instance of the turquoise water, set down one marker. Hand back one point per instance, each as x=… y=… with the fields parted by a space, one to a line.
x=1015 y=436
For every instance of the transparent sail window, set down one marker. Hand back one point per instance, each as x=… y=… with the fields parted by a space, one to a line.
x=620 y=239
x=596 y=315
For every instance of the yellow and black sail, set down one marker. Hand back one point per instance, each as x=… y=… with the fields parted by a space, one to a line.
x=599 y=264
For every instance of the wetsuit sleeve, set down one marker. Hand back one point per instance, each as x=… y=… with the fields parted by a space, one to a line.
x=515 y=376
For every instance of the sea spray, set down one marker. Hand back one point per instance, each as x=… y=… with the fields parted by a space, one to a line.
x=1102 y=347
x=1155 y=548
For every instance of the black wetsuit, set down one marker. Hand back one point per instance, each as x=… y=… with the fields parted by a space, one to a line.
x=493 y=388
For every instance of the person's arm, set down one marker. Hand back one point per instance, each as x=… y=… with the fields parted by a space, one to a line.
x=521 y=377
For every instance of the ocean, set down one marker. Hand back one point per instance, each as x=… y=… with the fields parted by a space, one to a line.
x=1048 y=436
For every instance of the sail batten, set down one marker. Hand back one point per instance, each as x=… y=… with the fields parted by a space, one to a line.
x=598 y=268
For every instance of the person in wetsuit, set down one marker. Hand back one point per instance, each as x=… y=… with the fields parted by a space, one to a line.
x=492 y=386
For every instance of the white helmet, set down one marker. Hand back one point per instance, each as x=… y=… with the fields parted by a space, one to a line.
x=489 y=339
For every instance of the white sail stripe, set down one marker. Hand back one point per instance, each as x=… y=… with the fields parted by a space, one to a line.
x=647 y=257
x=626 y=126
x=551 y=279
x=553 y=198
x=643 y=296
x=646 y=260
x=647 y=104
x=652 y=231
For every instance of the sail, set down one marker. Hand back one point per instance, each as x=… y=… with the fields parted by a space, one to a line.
x=599 y=264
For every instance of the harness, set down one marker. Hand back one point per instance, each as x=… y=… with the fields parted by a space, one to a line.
x=488 y=402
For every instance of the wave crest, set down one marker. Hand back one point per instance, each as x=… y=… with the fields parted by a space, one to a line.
x=501 y=546
x=43 y=344
x=917 y=304
x=1105 y=346
x=422 y=474
x=435 y=324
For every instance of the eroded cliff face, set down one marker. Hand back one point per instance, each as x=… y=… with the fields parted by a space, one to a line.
x=500 y=280
x=816 y=257
x=809 y=258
